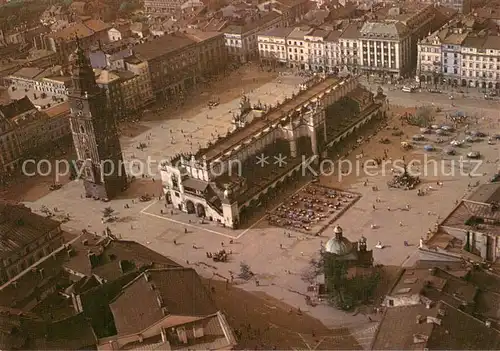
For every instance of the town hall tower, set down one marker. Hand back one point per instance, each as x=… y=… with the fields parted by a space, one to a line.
x=95 y=134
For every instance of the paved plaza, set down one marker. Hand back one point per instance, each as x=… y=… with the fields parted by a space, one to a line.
x=391 y=216
x=170 y=137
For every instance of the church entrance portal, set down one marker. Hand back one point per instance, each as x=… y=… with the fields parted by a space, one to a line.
x=200 y=210
x=190 y=206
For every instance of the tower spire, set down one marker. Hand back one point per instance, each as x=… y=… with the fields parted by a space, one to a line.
x=82 y=72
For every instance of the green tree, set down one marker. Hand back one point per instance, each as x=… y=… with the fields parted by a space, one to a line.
x=108 y=212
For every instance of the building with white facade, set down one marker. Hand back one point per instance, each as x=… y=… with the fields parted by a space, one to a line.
x=332 y=51
x=460 y=55
x=315 y=43
x=385 y=48
x=480 y=57
x=272 y=45
x=385 y=45
x=349 y=53
x=297 y=47
x=311 y=49
x=241 y=41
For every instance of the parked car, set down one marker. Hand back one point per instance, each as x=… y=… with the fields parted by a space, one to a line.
x=473 y=155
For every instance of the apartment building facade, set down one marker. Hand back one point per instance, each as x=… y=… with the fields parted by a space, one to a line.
x=302 y=48
x=141 y=70
x=372 y=48
x=162 y=7
x=24 y=131
x=241 y=41
x=273 y=46
x=460 y=56
x=211 y=50
x=172 y=61
x=480 y=57
x=10 y=153
x=385 y=48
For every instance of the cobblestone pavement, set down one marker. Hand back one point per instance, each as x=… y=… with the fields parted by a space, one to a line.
x=279 y=270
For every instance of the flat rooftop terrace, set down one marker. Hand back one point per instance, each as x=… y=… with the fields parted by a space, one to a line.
x=238 y=136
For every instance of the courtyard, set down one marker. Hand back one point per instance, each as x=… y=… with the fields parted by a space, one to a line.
x=277 y=259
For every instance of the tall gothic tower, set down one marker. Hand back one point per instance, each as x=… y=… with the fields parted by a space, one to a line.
x=95 y=134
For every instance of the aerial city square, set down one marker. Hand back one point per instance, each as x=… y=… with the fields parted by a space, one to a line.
x=280 y=174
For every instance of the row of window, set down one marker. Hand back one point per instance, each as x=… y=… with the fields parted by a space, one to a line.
x=467 y=57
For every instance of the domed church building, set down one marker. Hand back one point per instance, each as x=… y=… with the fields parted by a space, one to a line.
x=342 y=249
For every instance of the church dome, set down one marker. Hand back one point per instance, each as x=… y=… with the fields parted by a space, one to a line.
x=339 y=246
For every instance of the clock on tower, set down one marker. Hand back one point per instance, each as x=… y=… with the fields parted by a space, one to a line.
x=94 y=132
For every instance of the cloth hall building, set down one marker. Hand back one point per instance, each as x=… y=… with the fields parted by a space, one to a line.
x=225 y=181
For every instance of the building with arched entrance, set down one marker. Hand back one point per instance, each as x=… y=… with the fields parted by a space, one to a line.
x=230 y=179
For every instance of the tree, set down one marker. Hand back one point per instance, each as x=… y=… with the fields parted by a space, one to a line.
x=424 y=116
x=107 y=212
x=245 y=271
x=345 y=292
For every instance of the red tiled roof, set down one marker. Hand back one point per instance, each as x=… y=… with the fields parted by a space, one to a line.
x=163 y=292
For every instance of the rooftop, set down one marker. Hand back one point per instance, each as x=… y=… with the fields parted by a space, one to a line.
x=352 y=31
x=82 y=30
x=258 y=125
x=299 y=32
x=241 y=29
x=28 y=72
x=486 y=193
x=15 y=108
x=113 y=258
x=166 y=44
x=442 y=327
x=435 y=284
x=58 y=110
x=176 y=292
x=280 y=32
x=199 y=36
x=384 y=30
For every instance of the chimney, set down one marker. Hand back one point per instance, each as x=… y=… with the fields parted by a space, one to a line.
x=70 y=252
x=163 y=335
x=419 y=338
x=488 y=323
x=164 y=311
x=93 y=259
x=428 y=304
x=419 y=319
x=433 y=320
x=85 y=242
x=160 y=301
x=41 y=271
x=122 y=264
x=147 y=277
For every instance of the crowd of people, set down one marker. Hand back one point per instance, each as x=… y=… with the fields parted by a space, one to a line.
x=311 y=209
